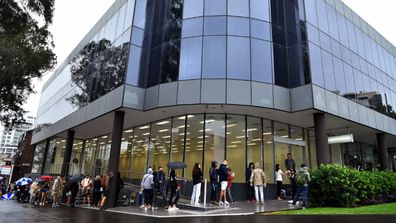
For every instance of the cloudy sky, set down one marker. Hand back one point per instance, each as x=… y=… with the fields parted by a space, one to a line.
x=74 y=18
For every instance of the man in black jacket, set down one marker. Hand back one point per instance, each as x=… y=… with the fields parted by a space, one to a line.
x=223 y=175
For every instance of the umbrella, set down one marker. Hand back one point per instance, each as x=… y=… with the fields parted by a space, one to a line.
x=23 y=181
x=76 y=178
x=177 y=165
x=7 y=196
x=46 y=177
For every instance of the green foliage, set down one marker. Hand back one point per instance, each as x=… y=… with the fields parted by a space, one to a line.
x=337 y=186
x=25 y=53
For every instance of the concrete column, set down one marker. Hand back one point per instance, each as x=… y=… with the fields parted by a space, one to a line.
x=68 y=153
x=47 y=144
x=383 y=151
x=116 y=137
x=322 y=147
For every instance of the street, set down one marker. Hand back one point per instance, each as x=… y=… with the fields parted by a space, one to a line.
x=11 y=211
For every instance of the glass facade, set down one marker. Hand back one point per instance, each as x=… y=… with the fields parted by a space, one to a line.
x=349 y=58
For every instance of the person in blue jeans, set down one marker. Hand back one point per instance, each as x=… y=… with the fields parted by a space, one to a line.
x=302 y=178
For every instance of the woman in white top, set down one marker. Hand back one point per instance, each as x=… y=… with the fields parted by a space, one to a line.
x=278 y=174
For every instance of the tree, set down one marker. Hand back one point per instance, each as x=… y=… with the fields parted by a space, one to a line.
x=25 y=53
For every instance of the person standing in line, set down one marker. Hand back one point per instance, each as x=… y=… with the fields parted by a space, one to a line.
x=249 y=187
x=292 y=179
x=231 y=176
x=44 y=191
x=97 y=184
x=289 y=162
x=159 y=182
x=147 y=185
x=213 y=182
x=302 y=180
x=197 y=180
x=86 y=185
x=278 y=173
x=56 y=191
x=174 y=191
x=258 y=181
x=106 y=189
x=223 y=175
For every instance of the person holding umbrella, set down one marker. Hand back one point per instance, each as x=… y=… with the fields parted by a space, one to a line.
x=56 y=191
x=44 y=192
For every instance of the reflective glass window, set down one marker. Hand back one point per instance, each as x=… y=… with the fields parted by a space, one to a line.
x=133 y=65
x=328 y=71
x=310 y=11
x=214 y=57
x=339 y=76
x=190 y=58
x=346 y=55
x=215 y=142
x=215 y=25
x=333 y=25
x=358 y=80
x=137 y=36
x=350 y=83
x=113 y=27
x=215 y=7
x=281 y=149
x=261 y=61
x=129 y=14
x=325 y=41
x=313 y=34
x=336 y=48
x=238 y=8
x=236 y=150
x=178 y=131
x=316 y=65
x=238 y=58
x=160 y=144
x=342 y=29
x=139 y=152
x=192 y=27
x=254 y=153
x=238 y=26
x=140 y=14
x=259 y=9
x=366 y=83
x=125 y=153
x=351 y=36
x=322 y=18
x=260 y=30
x=192 y=8
x=194 y=144
x=121 y=20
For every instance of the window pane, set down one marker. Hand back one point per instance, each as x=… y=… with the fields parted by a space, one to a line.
x=214 y=57
x=194 y=145
x=190 y=58
x=215 y=25
x=333 y=26
x=260 y=30
x=178 y=130
x=261 y=61
x=259 y=9
x=192 y=8
x=238 y=7
x=133 y=66
x=159 y=145
x=215 y=7
x=215 y=142
x=238 y=26
x=310 y=10
x=350 y=83
x=192 y=27
x=121 y=20
x=281 y=149
x=316 y=65
x=339 y=76
x=322 y=18
x=254 y=142
x=125 y=153
x=129 y=14
x=236 y=146
x=328 y=71
x=139 y=152
x=140 y=14
x=238 y=58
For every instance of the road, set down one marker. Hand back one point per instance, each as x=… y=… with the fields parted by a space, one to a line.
x=11 y=211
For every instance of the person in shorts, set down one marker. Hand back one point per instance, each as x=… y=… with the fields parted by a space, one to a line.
x=223 y=175
x=86 y=185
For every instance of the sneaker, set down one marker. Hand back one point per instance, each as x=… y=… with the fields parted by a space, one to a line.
x=290 y=202
x=262 y=203
x=221 y=203
x=142 y=206
x=175 y=209
x=197 y=204
x=226 y=204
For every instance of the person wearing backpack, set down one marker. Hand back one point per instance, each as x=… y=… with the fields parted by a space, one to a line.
x=302 y=178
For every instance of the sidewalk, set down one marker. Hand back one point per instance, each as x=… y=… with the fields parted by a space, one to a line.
x=186 y=210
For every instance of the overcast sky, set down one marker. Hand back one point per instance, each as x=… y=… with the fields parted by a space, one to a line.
x=74 y=18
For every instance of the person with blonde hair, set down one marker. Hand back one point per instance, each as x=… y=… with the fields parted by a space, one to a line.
x=257 y=179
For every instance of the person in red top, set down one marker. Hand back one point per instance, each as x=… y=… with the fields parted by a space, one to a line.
x=231 y=176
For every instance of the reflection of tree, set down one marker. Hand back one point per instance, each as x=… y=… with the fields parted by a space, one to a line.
x=98 y=69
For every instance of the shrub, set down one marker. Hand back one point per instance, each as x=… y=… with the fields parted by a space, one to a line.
x=337 y=186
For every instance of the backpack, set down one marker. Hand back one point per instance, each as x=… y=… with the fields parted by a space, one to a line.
x=301 y=178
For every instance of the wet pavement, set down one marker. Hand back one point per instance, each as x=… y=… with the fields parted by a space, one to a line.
x=11 y=211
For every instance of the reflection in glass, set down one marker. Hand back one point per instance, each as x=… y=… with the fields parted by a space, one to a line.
x=259 y=9
x=190 y=58
x=139 y=152
x=238 y=58
x=215 y=142
x=178 y=130
x=216 y=25
x=193 y=8
x=160 y=144
x=268 y=151
x=238 y=26
x=236 y=145
x=215 y=7
x=125 y=153
x=261 y=61
x=214 y=57
x=238 y=8
x=194 y=149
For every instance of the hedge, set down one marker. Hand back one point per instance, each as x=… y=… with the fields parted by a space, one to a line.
x=335 y=186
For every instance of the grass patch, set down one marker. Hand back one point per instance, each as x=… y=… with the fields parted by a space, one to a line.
x=372 y=209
